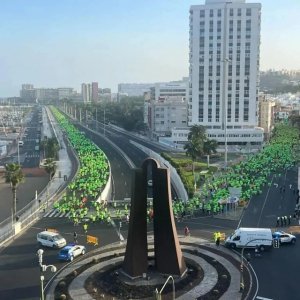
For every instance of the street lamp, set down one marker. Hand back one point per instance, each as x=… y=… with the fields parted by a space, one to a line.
x=43 y=268
x=225 y=99
x=242 y=261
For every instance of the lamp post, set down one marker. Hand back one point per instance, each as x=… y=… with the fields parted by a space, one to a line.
x=43 y=268
x=242 y=261
x=18 y=153
x=224 y=96
x=104 y=121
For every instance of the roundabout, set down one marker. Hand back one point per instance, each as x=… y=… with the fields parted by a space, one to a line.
x=212 y=273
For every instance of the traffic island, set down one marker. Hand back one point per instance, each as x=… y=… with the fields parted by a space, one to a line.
x=212 y=273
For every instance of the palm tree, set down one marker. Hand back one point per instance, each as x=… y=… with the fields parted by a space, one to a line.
x=14 y=176
x=50 y=167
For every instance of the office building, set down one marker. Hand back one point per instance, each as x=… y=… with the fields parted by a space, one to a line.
x=224 y=70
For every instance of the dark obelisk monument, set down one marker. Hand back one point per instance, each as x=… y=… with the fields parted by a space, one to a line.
x=167 y=252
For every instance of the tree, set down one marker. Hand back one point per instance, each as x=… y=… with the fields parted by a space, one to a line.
x=195 y=145
x=198 y=145
x=210 y=146
x=50 y=167
x=14 y=176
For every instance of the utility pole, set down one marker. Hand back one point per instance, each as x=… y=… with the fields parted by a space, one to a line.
x=104 y=122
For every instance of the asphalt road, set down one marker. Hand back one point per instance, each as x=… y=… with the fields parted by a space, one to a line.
x=276 y=270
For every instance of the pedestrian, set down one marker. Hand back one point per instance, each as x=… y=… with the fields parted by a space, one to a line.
x=278 y=220
x=85 y=227
x=290 y=186
x=284 y=220
x=281 y=221
x=75 y=237
x=290 y=217
x=186 y=231
x=218 y=241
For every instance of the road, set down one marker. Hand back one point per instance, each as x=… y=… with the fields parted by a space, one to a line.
x=19 y=272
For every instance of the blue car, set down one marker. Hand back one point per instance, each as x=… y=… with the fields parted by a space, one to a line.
x=69 y=252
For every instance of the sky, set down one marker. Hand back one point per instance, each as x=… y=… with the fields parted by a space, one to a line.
x=62 y=43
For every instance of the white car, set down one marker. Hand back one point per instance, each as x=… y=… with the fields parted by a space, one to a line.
x=50 y=239
x=284 y=238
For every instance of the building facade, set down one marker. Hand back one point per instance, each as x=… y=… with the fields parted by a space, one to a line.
x=86 y=92
x=266 y=114
x=166 y=107
x=95 y=97
x=134 y=89
x=224 y=69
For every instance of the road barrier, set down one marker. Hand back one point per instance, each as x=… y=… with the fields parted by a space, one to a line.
x=92 y=240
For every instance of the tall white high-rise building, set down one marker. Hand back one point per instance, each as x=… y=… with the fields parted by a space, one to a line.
x=224 y=70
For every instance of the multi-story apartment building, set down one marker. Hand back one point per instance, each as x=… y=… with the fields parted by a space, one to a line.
x=224 y=70
x=65 y=93
x=266 y=114
x=166 y=107
x=86 y=92
x=46 y=95
x=134 y=89
x=95 y=97
x=28 y=93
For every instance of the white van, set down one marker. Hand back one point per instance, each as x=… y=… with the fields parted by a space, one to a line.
x=250 y=238
x=50 y=239
x=21 y=143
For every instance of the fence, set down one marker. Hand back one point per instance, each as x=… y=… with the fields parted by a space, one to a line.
x=177 y=183
x=33 y=209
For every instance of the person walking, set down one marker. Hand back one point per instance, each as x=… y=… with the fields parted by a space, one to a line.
x=85 y=227
x=281 y=221
x=75 y=237
x=290 y=217
x=186 y=231
x=285 y=219
x=277 y=222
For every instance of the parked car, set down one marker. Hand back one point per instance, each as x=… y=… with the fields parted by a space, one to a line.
x=51 y=239
x=284 y=238
x=69 y=252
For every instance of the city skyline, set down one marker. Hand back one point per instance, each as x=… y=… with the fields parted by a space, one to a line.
x=65 y=43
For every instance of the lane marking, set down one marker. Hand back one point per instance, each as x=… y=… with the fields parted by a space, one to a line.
x=263 y=298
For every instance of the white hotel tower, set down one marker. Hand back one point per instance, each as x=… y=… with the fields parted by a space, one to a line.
x=224 y=70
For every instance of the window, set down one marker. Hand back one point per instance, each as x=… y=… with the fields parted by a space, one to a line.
x=239 y=12
x=248 y=12
x=202 y=13
x=231 y=12
x=219 y=12
x=211 y=12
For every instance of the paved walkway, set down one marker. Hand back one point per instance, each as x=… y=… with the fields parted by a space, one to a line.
x=78 y=292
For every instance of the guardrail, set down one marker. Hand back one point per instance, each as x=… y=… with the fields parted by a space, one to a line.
x=31 y=212
x=175 y=178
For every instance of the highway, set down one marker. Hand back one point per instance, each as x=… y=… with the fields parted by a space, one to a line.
x=276 y=270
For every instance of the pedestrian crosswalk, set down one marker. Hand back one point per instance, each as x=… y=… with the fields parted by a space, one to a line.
x=55 y=213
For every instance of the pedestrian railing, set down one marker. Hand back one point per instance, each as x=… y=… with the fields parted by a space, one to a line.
x=32 y=211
